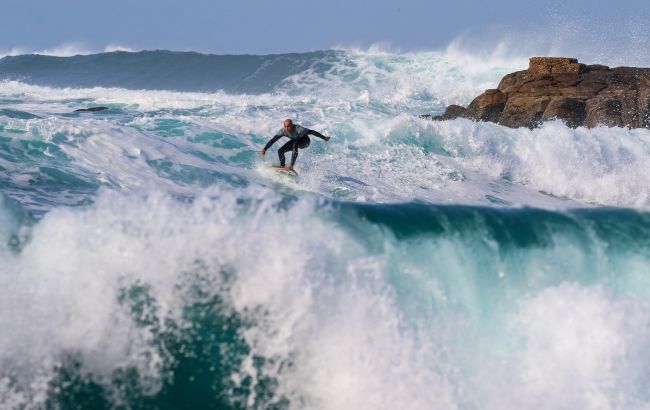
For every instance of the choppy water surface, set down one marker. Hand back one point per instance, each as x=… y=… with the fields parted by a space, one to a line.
x=150 y=259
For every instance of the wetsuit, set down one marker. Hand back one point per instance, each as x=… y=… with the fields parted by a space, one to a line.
x=297 y=139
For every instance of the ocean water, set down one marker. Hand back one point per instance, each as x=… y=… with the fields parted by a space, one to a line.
x=150 y=259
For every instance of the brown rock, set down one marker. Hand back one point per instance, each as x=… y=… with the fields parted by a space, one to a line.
x=590 y=87
x=495 y=93
x=643 y=107
x=566 y=80
x=487 y=106
x=523 y=111
x=629 y=108
x=509 y=80
x=562 y=88
x=542 y=84
x=569 y=110
x=554 y=65
x=603 y=111
x=597 y=67
x=453 y=111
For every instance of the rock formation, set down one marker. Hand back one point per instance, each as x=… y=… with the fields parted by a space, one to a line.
x=562 y=88
x=91 y=109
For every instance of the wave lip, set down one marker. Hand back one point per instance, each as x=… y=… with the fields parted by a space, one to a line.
x=345 y=74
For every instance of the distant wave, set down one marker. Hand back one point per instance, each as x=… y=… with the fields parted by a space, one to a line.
x=162 y=70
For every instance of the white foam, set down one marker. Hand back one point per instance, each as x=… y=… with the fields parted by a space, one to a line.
x=451 y=76
x=558 y=326
x=417 y=79
x=325 y=306
x=580 y=347
x=63 y=50
x=331 y=316
x=603 y=165
x=612 y=40
x=67 y=49
x=367 y=101
x=114 y=155
x=380 y=157
x=348 y=315
x=112 y=47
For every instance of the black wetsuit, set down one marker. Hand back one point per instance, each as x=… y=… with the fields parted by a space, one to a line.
x=298 y=139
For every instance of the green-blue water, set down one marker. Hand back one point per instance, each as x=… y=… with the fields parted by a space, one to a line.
x=150 y=259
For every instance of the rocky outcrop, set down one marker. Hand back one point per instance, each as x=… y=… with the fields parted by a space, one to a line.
x=91 y=109
x=562 y=88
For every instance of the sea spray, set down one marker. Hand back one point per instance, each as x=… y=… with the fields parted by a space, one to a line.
x=151 y=259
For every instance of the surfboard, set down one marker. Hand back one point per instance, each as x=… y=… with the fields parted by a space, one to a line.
x=285 y=171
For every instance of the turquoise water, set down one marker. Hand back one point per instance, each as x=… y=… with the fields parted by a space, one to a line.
x=151 y=259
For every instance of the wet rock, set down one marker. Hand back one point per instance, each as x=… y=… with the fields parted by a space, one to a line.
x=451 y=112
x=562 y=88
x=488 y=106
x=570 y=110
x=91 y=109
x=554 y=65
x=523 y=111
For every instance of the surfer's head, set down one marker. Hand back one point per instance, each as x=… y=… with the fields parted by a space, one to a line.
x=288 y=124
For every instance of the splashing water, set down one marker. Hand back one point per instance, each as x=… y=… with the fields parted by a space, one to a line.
x=151 y=259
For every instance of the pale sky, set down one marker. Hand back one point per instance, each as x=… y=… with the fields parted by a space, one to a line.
x=276 y=26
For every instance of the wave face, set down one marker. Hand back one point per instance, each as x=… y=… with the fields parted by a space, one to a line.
x=151 y=259
x=162 y=70
x=240 y=74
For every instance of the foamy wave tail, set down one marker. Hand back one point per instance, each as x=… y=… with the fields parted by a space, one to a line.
x=407 y=305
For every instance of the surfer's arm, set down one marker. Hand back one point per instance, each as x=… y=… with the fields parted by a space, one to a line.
x=271 y=142
x=318 y=134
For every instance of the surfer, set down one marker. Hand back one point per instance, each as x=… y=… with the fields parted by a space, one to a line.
x=298 y=139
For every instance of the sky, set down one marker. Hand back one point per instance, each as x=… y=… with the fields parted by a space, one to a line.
x=279 y=26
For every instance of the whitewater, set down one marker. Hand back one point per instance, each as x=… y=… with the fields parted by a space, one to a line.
x=149 y=258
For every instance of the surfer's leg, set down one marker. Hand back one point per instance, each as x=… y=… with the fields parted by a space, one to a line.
x=302 y=142
x=294 y=155
x=283 y=149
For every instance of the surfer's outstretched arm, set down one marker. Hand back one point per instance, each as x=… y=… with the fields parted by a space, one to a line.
x=269 y=144
x=318 y=134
